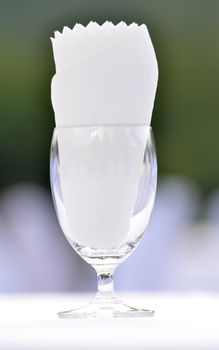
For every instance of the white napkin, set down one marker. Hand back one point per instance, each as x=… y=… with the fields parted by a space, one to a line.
x=99 y=177
x=105 y=75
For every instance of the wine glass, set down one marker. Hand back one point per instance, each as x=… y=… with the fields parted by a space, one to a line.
x=103 y=181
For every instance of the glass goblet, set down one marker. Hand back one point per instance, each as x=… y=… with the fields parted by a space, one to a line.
x=103 y=181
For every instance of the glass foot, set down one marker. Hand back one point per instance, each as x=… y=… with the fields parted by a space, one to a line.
x=106 y=308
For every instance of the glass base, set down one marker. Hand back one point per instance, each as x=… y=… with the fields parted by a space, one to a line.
x=106 y=308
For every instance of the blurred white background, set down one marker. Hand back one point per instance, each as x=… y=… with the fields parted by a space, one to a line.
x=179 y=251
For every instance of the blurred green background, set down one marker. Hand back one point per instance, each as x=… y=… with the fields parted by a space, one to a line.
x=186 y=113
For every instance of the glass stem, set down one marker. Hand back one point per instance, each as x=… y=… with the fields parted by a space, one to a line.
x=105 y=288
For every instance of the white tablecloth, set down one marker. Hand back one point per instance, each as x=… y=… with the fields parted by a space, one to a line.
x=181 y=321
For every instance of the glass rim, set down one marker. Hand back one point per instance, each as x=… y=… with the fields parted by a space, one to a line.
x=119 y=126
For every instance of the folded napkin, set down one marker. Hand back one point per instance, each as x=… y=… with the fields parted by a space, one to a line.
x=105 y=75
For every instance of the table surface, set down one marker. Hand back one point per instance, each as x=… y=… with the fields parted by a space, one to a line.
x=181 y=321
